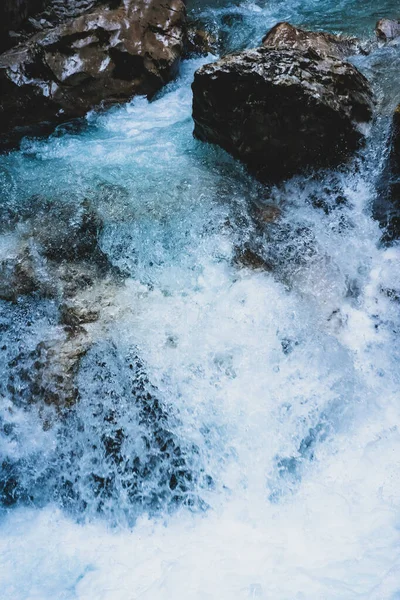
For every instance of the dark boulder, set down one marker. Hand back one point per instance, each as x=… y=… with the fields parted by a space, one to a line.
x=12 y=14
x=387 y=205
x=98 y=58
x=285 y=36
x=387 y=29
x=282 y=111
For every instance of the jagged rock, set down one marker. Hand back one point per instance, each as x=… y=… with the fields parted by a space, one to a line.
x=63 y=231
x=105 y=56
x=12 y=14
x=17 y=276
x=46 y=375
x=387 y=205
x=199 y=42
x=251 y=259
x=387 y=29
x=281 y=111
x=57 y=253
x=285 y=36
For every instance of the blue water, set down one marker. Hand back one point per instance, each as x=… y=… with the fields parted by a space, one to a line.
x=279 y=388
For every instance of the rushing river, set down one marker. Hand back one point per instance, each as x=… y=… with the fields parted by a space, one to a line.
x=275 y=390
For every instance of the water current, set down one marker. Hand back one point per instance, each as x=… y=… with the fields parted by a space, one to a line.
x=237 y=429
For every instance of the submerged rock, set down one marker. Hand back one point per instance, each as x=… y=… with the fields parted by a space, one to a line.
x=18 y=276
x=199 y=42
x=108 y=55
x=387 y=29
x=136 y=452
x=46 y=375
x=285 y=36
x=57 y=251
x=282 y=111
x=63 y=231
x=387 y=205
x=251 y=258
x=119 y=450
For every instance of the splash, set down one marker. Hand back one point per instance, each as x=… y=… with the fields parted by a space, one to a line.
x=236 y=429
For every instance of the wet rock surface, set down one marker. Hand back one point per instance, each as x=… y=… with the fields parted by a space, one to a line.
x=56 y=255
x=106 y=55
x=387 y=205
x=285 y=36
x=55 y=252
x=281 y=111
x=199 y=41
x=387 y=29
x=12 y=14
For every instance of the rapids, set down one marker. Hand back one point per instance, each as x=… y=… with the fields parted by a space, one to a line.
x=277 y=391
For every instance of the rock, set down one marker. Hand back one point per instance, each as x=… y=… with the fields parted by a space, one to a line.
x=74 y=316
x=98 y=58
x=266 y=213
x=199 y=42
x=56 y=251
x=252 y=259
x=387 y=29
x=282 y=111
x=119 y=443
x=387 y=205
x=63 y=231
x=12 y=14
x=47 y=374
x=285 y=36
x=17 y=276
x=62 y=10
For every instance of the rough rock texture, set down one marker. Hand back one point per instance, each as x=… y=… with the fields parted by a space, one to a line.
x=56 y=255
x=387 y=205
x=12 y=14
x=56 y=251
x=199 y=42
x=47 y=374
x=387 y=29
x=285 y=36
x=281 y=111
x=61 y=10
x=105 y=56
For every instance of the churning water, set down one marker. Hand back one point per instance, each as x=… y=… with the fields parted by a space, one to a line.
x=237 y=430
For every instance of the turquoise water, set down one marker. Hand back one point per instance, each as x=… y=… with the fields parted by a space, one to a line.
x=280 y=388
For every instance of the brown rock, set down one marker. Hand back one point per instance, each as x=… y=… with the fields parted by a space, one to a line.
x=285 y=36
x=251 y=259
x=104 y=56
x=199 y=42
x=48 y=373
x=18 y=276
